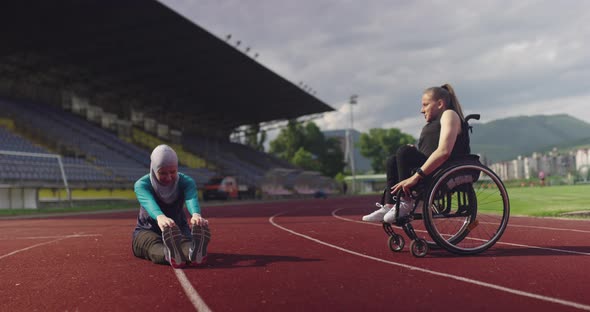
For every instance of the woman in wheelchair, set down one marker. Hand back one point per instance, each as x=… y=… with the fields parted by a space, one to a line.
x=444 y=137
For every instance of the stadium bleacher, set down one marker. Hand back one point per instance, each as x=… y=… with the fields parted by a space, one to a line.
x=104 y=159
x=238 y=160
x=217 y=90
x=101 y=159
x=23 y=169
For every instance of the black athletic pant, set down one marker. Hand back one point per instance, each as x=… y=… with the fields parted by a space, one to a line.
x=401 y=166
x=149 y=245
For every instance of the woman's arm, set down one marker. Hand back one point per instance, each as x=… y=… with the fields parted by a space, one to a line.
x=192 y=200
x=450 y=128
x=189 y=187
x=145 y=197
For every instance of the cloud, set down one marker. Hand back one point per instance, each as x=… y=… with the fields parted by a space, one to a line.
x=504 y=58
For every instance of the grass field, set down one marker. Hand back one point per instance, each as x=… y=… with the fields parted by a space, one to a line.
x=549 y=201
x=67 y=209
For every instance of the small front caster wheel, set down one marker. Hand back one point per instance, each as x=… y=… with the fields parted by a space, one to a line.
x=419 y=247
x=396 y=242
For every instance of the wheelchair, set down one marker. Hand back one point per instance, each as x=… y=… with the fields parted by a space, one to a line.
x=464 y=207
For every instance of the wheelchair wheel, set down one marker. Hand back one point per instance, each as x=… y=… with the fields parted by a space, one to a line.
x=469 y=209
x=419 y=247
x=437 y=208
x=396 y=242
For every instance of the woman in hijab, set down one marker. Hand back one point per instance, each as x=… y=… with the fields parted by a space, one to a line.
x=162 y=233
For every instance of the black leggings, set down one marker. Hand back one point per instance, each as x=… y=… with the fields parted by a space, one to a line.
x=149 y=245
x=401 y=166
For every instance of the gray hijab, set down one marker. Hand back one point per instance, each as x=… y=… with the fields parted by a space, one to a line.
x=162 y=156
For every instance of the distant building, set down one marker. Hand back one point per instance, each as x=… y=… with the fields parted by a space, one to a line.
x=583 y=163
x=582 y=158
x=551 y=164
x=362 y=164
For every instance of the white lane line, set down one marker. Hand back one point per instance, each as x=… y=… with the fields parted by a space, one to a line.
x=441 y=274
x=47 y=237
x=188 y=288
x=509 y=224
x=190 y=291
x=351 y=220
x=45 y=243
x=31 y=247
x=501 y=243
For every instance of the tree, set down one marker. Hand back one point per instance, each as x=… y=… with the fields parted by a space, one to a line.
x=314 y=140
x=333 y=159
x=289 y=140
x=379 y=144
x=305 y=159
x=255 y=137
x=301 y=139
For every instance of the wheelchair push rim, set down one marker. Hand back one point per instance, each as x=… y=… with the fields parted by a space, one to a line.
x=467 y=209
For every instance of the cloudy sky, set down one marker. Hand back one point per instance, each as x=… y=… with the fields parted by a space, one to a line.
x=504 y=58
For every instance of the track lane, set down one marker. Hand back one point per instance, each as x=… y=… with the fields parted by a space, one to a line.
x=476 y=282
x=257 y=266
x=85 y=273
x=314 y=220
x=536 y=267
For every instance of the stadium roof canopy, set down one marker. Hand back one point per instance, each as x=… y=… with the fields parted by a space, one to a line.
x=140 y=54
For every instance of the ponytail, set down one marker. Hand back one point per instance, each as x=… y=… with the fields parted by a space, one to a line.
x=453 y=101
x=447 y=94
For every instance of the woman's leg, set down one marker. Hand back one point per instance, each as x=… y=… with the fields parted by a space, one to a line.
x=149 y=245
x=392 y=176
x=387 y=201
x=409 y=158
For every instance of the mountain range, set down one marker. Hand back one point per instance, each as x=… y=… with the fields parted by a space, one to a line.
x=506 y=139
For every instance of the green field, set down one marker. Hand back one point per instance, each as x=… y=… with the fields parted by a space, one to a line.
x=68 y=209
x=549 y=200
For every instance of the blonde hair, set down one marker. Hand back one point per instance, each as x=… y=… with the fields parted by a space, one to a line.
x=447 y=94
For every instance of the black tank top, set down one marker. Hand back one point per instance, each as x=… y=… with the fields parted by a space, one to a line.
x=430 y=135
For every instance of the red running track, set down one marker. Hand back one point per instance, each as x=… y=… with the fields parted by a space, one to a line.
x=305 y=255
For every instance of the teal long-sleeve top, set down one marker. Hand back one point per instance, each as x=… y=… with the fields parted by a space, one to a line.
x=152 y=207
x=147 y=198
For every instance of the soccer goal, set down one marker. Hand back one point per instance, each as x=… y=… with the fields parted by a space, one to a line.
x=33 y=166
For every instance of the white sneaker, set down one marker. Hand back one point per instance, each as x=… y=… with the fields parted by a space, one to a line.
x=405 y=207
x=377 y=215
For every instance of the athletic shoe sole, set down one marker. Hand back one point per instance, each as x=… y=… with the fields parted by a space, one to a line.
x=172 y=238
x=198 y=251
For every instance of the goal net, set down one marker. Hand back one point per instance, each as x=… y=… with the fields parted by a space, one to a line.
x=33 y=168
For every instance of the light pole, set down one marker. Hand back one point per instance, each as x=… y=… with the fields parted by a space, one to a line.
x=353 y=101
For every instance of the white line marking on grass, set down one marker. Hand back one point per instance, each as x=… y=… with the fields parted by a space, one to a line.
x=440 y=274
x=547 y=228
x=190 y=291
x=501 y=243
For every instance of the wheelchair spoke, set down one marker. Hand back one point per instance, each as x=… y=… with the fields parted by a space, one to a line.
x=469 y=209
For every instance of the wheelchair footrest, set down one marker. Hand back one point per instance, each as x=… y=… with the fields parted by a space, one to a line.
x=402 y=221
x=388 y=229
x=409 y=229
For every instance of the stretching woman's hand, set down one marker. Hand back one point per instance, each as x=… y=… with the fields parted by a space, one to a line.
x=198 y=220
x=164 y=222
